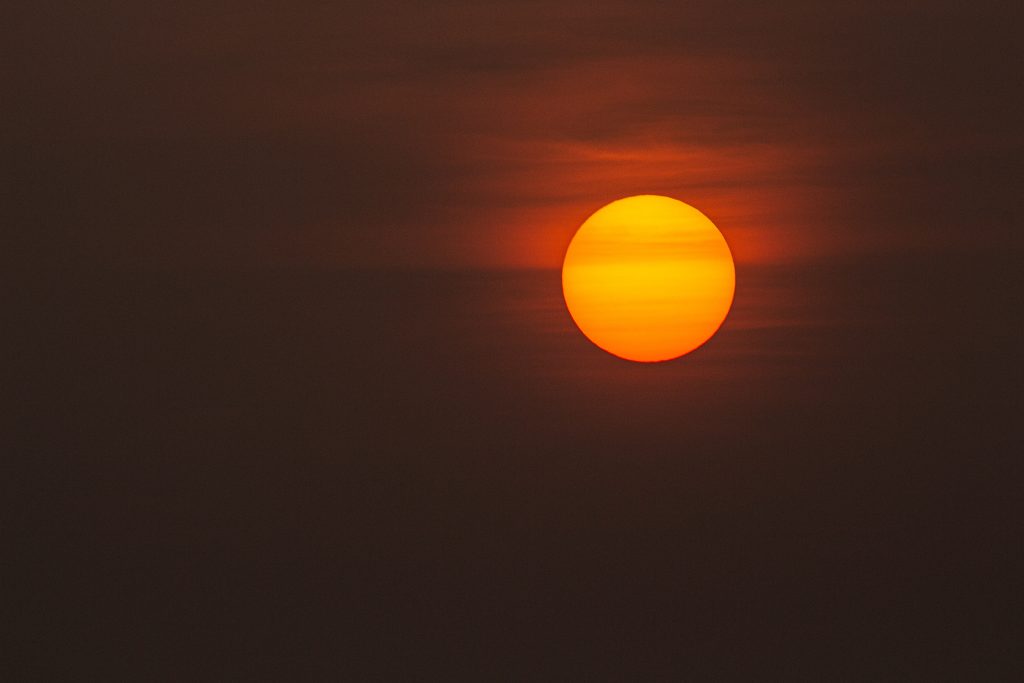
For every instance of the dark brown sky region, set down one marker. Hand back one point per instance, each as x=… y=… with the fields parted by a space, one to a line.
x=296 y=396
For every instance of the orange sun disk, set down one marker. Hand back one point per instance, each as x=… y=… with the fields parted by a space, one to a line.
x=648 y=278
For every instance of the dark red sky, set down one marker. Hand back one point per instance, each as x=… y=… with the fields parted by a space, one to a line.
x=482 y=133
x=279 y=408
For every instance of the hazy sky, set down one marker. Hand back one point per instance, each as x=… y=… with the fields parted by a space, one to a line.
x=254 y=437
x=483 y=133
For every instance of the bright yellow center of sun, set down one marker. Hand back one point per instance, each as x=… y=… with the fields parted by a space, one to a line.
x=648 y=278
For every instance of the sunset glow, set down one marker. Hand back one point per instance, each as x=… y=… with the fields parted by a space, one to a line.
x=648 y=278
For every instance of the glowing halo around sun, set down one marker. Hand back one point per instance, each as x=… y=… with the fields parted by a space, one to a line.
x=648 y=278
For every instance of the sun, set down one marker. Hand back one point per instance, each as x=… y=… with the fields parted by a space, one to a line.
x=648 y=278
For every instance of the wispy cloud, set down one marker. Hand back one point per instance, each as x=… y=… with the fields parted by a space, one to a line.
x=482 y=133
